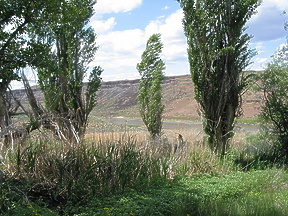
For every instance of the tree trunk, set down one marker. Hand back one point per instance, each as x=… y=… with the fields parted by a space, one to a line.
x=3 y=111
x=2 y=115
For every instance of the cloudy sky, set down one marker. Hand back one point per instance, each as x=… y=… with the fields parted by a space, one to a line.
x=124 y=26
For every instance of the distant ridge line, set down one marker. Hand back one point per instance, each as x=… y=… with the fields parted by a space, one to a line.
x=136 y=81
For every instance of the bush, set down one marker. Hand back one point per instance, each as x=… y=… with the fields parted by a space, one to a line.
x=275 y=111
x=259 y=152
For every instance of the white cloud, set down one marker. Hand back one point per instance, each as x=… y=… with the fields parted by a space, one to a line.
x=161 y=17
x=169 y=28
x=259 y=63
x=121 y=41
x=172 y=35
x=280 y=4
x=115 y=6
x=261 y=60
x=120 y=51
x=102 y=27
x=267 y=29
x=166 y=8
x=173 y=28
x=260 y=47
x=268 y=23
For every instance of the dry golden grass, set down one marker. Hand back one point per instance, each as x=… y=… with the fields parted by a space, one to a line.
x=185 y=149
x=182 y=152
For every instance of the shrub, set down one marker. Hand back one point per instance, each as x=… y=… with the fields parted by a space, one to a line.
x=275 y=111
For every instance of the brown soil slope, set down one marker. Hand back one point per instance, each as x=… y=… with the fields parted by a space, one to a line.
x=119 y=98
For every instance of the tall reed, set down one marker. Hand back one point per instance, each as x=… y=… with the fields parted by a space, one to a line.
x=63 y=171
x=108 y=163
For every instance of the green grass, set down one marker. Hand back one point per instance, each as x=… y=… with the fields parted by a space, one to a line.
x=254 y=193
x=250 y=121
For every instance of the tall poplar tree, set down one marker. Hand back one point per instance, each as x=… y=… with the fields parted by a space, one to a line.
x=62 y=67
x=149 y=96
x=218 y=54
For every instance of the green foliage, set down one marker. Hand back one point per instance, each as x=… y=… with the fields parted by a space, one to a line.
x=258 y=153
x=218 y=53
x=5 y=200
x=18 y=19
x=30 y=209
x=201 y=161
x=120 y=177
x=251 y=193
x=15 y=18
x=254 y=193
x=62 y=66
x=274 y=82
x=93 y=85
x=149 y=96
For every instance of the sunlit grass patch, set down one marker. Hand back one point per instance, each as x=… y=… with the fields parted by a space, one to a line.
x=250 y=193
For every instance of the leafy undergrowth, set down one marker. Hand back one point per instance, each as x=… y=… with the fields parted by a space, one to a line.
x=262 y=192
x=252 y=193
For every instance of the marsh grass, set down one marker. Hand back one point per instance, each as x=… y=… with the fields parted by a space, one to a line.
x=128 y=165
x=187 y=156
x=59 y=172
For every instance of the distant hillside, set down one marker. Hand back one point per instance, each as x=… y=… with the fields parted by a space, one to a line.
x=117 y=98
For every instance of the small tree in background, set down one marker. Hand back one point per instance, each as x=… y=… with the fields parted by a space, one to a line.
x=218 y=53
x=149 y=96
x=274 y=82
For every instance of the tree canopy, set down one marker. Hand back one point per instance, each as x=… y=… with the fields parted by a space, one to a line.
x=16 y=20
x=61 y=70
x=52 y=36
x=274 y=82
x=218 y=53
x=149 y=96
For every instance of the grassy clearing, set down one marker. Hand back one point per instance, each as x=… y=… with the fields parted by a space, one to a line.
x=253 y=193
x=123 y=173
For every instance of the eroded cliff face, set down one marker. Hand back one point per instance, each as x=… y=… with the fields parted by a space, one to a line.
x=117 y=96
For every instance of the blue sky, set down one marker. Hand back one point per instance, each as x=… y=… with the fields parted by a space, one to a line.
x=143 y=14
x=124 y=26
